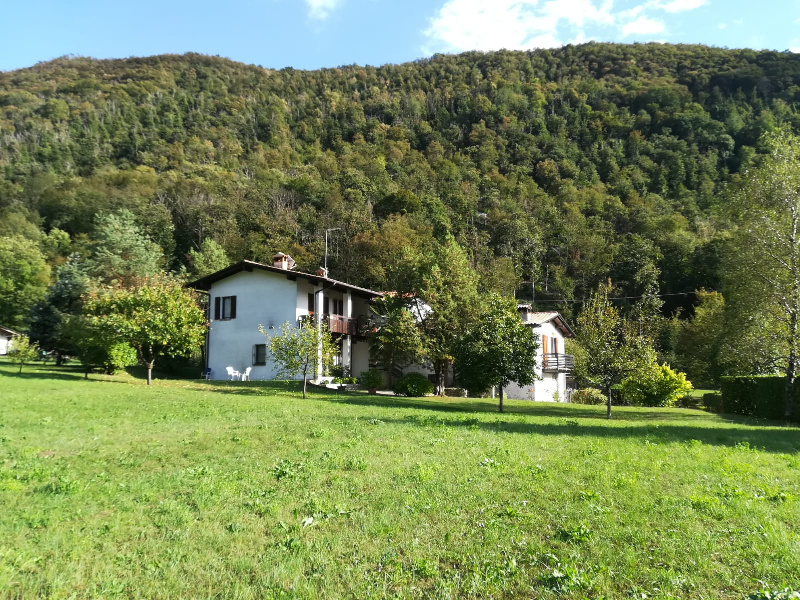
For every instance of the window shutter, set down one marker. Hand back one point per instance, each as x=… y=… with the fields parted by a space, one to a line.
x=217 y=302
x=233 y=307
x=544 y=349
x=255 y=354
x=555 y=345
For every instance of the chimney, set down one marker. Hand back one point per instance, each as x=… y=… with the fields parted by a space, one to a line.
x=283 y=261
x=322 y=272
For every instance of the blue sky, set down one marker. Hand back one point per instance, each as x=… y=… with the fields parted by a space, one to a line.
x=308 y=34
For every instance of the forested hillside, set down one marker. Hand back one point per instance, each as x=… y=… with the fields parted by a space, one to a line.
x=554 y=169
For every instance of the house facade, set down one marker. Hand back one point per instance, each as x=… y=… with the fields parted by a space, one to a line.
x=248 y=294
x=553 y=365
x=6 y=335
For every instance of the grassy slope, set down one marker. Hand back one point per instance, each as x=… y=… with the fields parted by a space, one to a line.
x=194 y=489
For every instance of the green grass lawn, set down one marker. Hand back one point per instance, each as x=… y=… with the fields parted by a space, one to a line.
x=194 y=489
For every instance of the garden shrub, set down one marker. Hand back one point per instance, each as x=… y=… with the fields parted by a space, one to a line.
x=755 y=395
x=371 y=379
x=713 y=401
x=414 y=385
x=588 y=396
x=658 y=385
x=119 y=356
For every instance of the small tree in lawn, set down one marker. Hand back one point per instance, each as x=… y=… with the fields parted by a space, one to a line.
x=297 y=351
x=158 y=318
x=395 y=341
x=496 y=349
x=613 y=346
x=23 y=351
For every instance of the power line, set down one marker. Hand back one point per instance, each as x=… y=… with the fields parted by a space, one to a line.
x=577 y=300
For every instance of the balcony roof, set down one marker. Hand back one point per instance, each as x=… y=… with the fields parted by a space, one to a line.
x=540 y=318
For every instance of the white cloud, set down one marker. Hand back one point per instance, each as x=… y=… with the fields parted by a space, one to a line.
x=514 y=24
x=722 y=25
x=521 y=24
x=643 y=26
x=321 y=9
x=674 y=6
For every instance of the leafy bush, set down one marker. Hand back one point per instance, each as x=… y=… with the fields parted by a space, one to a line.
x=371 y=379
x=119 y=356
x=414 y=385
x=754 y=395
x=588 y=396
x=655 y=386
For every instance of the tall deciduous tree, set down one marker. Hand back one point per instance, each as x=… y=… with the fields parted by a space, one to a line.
x=24 y=277
x=299 y=350
x=157 y=318
x=764 y=263
x=613 y=346
x=394 y=341
x=445 y=304
x=497 y=349
x=210 y=258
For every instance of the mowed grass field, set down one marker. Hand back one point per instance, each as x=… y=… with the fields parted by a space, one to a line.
x=191 y=489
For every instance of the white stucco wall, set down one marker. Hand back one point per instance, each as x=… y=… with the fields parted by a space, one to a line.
x=270 y=299
x=548 y=384
x=262 y=298
x=5 y=344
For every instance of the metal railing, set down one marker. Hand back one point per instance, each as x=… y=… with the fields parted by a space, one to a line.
x=559 y=363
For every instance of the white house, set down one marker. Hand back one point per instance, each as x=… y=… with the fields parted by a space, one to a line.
x=248 y=294
x=553 y=366
x=6 y=335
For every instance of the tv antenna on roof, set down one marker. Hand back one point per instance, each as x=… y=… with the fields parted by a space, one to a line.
x=326 y=244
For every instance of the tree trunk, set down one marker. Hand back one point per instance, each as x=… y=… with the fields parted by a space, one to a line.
x=788 y=390
x=304 y=385
x=149 y=367
x=608 y=403
x=86 y=373
x=501 y=398
x=439 y=370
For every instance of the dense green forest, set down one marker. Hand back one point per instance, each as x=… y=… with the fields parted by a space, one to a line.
x=553 y=169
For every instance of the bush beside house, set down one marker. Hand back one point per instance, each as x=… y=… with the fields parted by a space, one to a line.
x=413 y=385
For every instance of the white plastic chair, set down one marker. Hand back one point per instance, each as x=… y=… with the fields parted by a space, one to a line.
x=233 y=374
x=246 y=374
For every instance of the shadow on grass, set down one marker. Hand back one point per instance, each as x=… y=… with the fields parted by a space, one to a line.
x=521 y=407
x=769 y=439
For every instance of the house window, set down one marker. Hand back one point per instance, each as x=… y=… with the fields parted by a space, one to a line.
x=259 y=355
x=311 y=304
x=224 y=308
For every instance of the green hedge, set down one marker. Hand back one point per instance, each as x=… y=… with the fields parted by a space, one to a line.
x=757 y=396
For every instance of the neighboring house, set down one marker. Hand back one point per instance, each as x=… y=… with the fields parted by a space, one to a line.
x=552 y=365
x=6 y=335
x=248 y=294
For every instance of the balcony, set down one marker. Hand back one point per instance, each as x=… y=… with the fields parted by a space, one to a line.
x=558 y=363
x=356 y=327
x=342 y=325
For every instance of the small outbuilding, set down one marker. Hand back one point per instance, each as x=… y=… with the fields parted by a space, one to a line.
x=6 y=335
